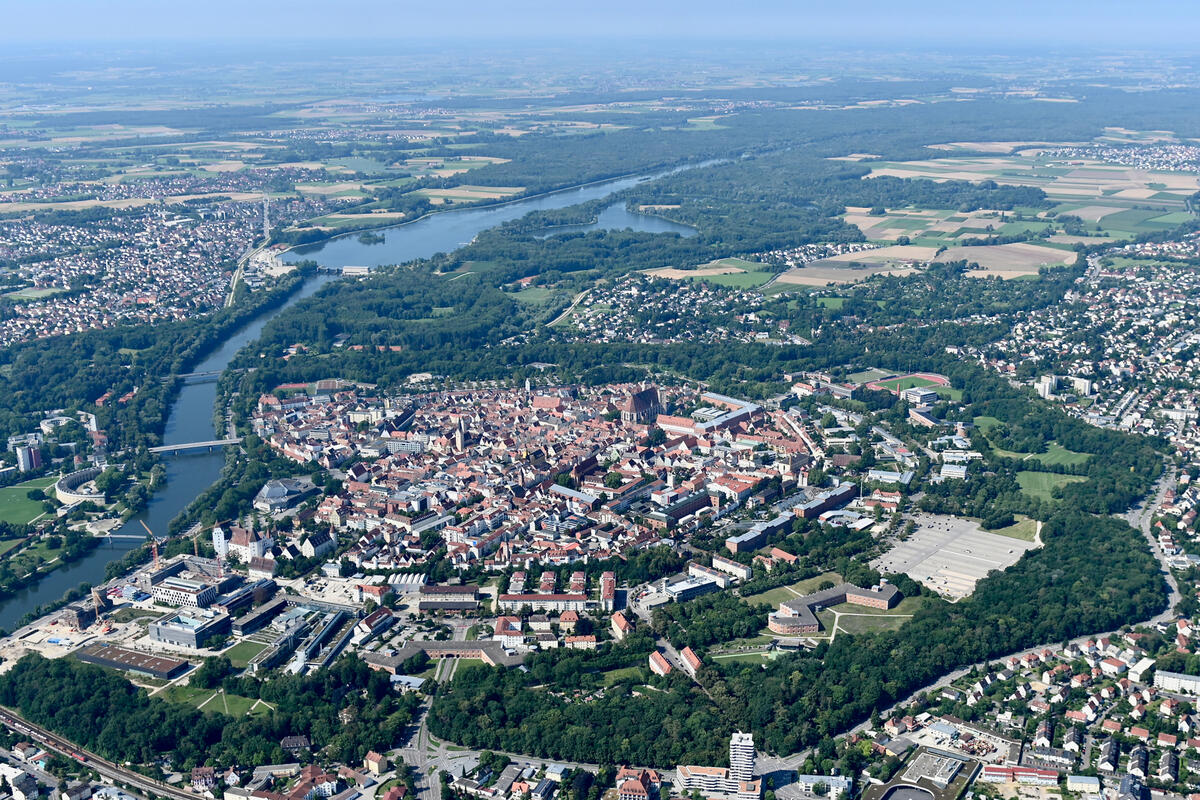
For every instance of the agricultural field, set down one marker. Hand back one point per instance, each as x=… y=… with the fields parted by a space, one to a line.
x=1042 y=484
x=734 y=273
x=1113 y=200
x=466 y=193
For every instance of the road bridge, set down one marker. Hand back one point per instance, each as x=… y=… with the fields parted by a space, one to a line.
x=185 y=446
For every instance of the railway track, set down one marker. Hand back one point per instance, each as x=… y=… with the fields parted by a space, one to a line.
x=108 y=769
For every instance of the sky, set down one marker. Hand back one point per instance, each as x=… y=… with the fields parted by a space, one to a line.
x=1119 y=24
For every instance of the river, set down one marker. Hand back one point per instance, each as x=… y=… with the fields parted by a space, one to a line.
x=191 y=415
x=447 y=231
x=190 y=420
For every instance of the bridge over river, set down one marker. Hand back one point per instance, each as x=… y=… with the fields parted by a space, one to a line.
x=185 y=446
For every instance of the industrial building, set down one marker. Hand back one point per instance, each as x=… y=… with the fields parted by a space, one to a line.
x=122 y=658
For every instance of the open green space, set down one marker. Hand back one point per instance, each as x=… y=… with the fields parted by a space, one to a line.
x=781 y=594
x=754 y=641
x=1057 y=454
x=34 y=294
x=909 y=382
x=237 y=705
x=535 y=295
x=752 y=658
x=131 y=614
x=18 y=509
x=985 y=424
x=1041 y=484
x=835 y=303
x=867 y=375
x=613 y=676
x=243 y=652
x=854 y=624
x=1024 y=529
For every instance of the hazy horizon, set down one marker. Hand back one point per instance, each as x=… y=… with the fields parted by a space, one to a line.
x=1017 y=24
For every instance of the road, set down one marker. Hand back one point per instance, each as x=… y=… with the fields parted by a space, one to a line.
x=1140 y=517
x=579 y=297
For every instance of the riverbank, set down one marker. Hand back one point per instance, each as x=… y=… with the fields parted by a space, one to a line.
x=193 y=415
x=489 y=204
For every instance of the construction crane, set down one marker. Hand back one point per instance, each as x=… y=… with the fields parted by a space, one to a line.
x=153 y=542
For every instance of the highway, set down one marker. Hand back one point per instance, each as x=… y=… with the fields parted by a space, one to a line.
x=108 y=769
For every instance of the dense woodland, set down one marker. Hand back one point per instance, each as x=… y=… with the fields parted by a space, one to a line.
x=347 y=709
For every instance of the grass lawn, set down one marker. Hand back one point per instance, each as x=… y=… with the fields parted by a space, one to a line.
x=835 y=303
x=1024 y=529
x=985 y=424
x=867 y=375
x=130 y=614
x=855 y=625
x=241 y=653
x=9 y=545
x=18 y=509
x=948 y=393
x=535 y=296
x=463 y=663
x=186 y=694
x=900 y=384
x=755 y=641
x=33 y=294
x=1057 y=454
x=781 y=593
x=613 y=676
x=238 y=705
x=753 y=658
x=1041 y=484
x=738 y=280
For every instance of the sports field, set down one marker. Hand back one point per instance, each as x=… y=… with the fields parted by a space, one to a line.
x=18 y=509
x=916 y=380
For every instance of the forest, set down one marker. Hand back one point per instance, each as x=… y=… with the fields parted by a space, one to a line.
x=346 y=710
x=70 y=372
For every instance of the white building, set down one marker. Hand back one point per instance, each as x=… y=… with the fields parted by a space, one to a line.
x=1177 y=682
x=741 y=756
x=835 y=785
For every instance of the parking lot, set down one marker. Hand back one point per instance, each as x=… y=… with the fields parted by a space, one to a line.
x=949 y=555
